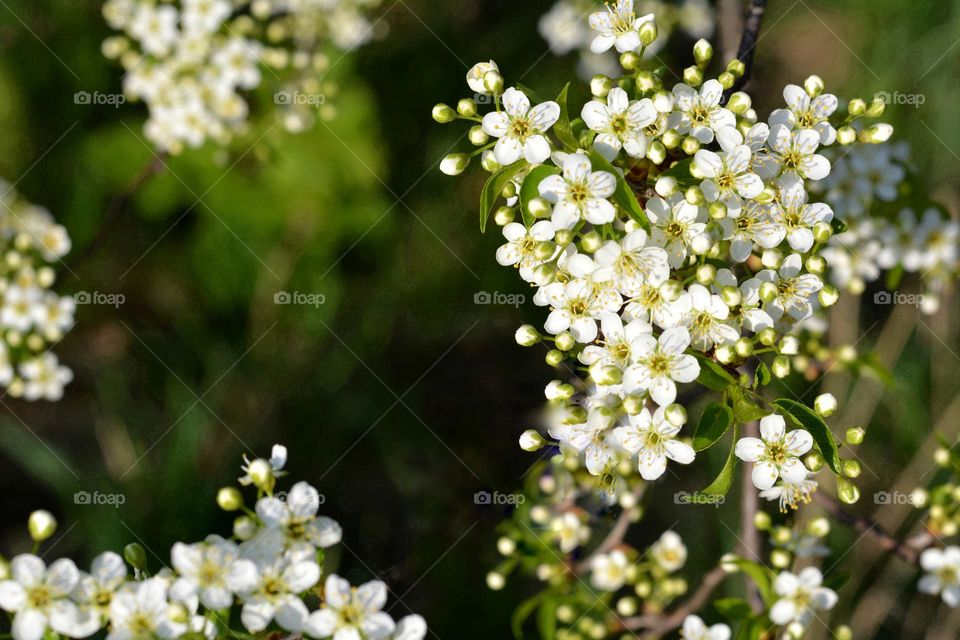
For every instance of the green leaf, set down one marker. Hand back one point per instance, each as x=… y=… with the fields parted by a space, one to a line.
x=806 y=418
x=562 y=128
x=716 y=419
x=733 y=608
x=746 y=410
x=713 y=376
x=754 y=629
x=838 y=225
x=721 y=484
x=530 y=188
x=524 y=611
x=761 y=576
x=547 y=619
x=493 y=187
x=894 y=276
x=624 y=196
x=762 y=377
x=680 y=172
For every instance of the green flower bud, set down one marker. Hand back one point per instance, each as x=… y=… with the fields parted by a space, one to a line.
x=825 y=404
x=780 y=367
x=527 y=335
x=743 y=347
x=780 y=558
x=136 y=555
x=768 y=336
x=727 y=80
x=506 y=546
x=630 y=60
x=813 y=461
x=702 y=52
x=600 y=85
x=531 y=440
x=671 y=139
x=591 y=241
x=761 y=520
x=851 y=468
x=739 y=103
x=646 y=81
x=706 y=273
x=648 y=32
x=846 y=135
x=815 y=265
x=855 y=435
x=717 y=210
x=538 y=207
x=693 y=76
x=554 y=357
x=731 y=296
x=443 y=114
x=856 y=107
x=41 y=525
x=675 y=414
x=477 y=136
x=693 y=195
x=725 y=354
x=828 y=295
x=813 y=86
x=565 y=341
x=736 y=67
x=467 y=107
x=455 y=164
x=633 y=404
x=847 y=491
x=819 y=527
x=656 y=152
x=493 y=82
x=769 y=292
x=504 y=215
x=229 y=499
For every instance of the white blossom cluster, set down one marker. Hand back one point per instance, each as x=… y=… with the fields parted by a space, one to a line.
x=566 y=28
x=192 y=61
x=675 y=230
x=33 y=318
x=270 y=571
x=920 y=241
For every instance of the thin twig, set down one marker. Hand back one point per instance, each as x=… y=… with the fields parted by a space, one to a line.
x=614 y=537
x=748 y=42
x=908 y=549
x=658 y=625
x=750 y=542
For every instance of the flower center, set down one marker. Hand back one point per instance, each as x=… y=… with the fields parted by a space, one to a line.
x=520 y=128
x=39 y=598
x=659 y=364
x=578 y=306
x=726 y=180
x=700 y=114
x=619 y=124
x=578 y=193
x=777 y=453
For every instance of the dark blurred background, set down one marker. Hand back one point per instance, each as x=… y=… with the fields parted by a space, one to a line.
x=399 y=397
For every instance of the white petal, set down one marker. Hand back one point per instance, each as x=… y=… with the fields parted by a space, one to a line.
x=750 y=449
x=764 y=475
x=772 y=428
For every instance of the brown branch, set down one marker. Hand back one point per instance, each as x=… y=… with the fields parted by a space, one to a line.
x=750 y=542
x=614 y=537
x=908 y=549
x=748 y=42
x=658 y=625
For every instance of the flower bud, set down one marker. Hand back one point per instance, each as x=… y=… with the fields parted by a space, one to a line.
x=693 y=76
x=819 y=527
x=656 y=152
x=789 y=346
x=767 y=336
x=813 y=86
x=606 y=375
x=496 y=581
x=762 y=520
x=544 y=250
x=725 y=354
x=855 y=435
x=739 y=102
x=41 y=525
x=843 y=632
x=702 y=52
x=876 y=133
x=666 y=186
x=600 y=85
x=780 y=367
x=538 y=207
x=671 y=139
x=626 y=606
x=768 y=292
x=477 y=136
x=851 y=468
x=717 y=210
x=828 y=295
x=135 y=555
x=554 y=357
x=675 y=414
x=813 y=461
x=780 y=558
x=731 y=296
x=706 y=273
x=493 y=82
x=633 y=404
x=489 y=162
x=815 y=265
x=527 y=335
x=825 y=405
x=727 y=80
x=506 y=546
x=690 y=146
x=796 y=630
x=856 y=107
x=591 y=241
x=743 y=347
x=847 y=491
x=771 y=258
x=736 y=67
x=455 y=164
x=504 y=215
x=229 y=499
x=467 y=107
x=443 y=113
x=648 y=32
x=630 y=60
x=558 y=390
x=846 y=135
x=530 y=440
x=876 y=108
x=509 y=190
x=646 y=81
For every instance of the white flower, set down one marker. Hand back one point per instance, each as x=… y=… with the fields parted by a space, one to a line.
x=659 y=363
x=659 y=305
x=730 y=177
x=618 y=340
x=348 y=612
x=619 y=123
x=776 y=453
x=748 y=313
x=204 y=568
x=297 y=517
x=95 y=591
x=609 y=570
x=155 y=28
x=576 y=307
x=669 y=552
x=595 y=440
x=676 y=224
x=791 y=493
x=521 y=247
x=475 y=76
x=579 y=193
x=38 y=596
x=795 y=292
x=707 y=319
x=44 y=377
x=804 y=113
x=943 y=574
x=699 y=112
x=694 y=628
x=618 y=26
x=273 y=466
x=520 y=129
x=797 y=217
x=412 y=627
x=753 y=224
x=795 y=152
x=800 y=597
x=653 y=438
x=270 y=589
x=570 y=531
x=633 y=262
x=141 y=611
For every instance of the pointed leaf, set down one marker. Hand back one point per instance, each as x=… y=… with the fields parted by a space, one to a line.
x=721 y=484
x=624 y=196
x=717 y=418
x=491 y=190
x=806 y=418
